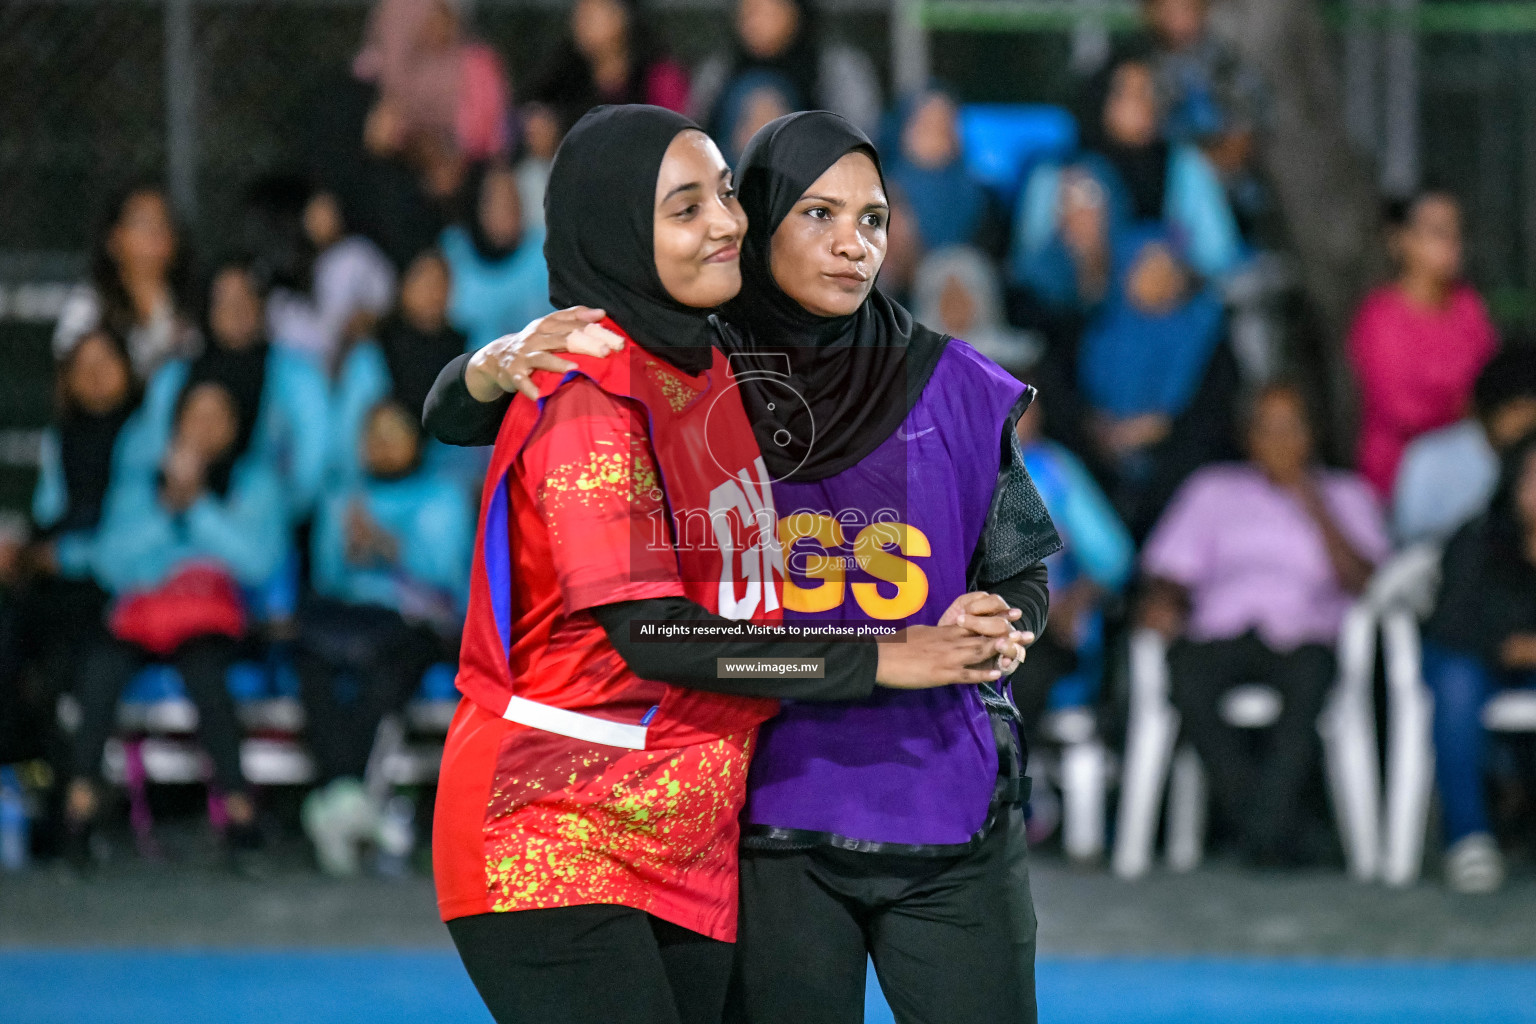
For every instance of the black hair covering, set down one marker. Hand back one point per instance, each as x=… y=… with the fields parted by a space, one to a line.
x=273 y=231
x=415 y=357
x=413 y=420
x=241 y=372
x=1142 y=169
x=566 y=82
x=1506 y=525
x=471 y=196
x=799 y=63
x=600 y=230
x=859 y=375
x=1508 y=377
x=86 y=442
x=238 y=386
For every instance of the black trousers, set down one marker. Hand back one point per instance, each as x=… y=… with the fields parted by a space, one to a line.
x=382 y=658
x=45 y=628
x=1257 y=782
x=592 y=965
x=952 y=939
x=203 y=663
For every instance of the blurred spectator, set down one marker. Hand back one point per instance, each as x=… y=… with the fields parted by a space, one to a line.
x=752 y=100
x=359 y=148
x=1481 y=638
x=413 y=345
x=281 y=396
x=58 y=605
x=1252 y=569
x=541 y=139
x=440 y=85
x=784 y=38
x=958 y=294
x=137 y=286
x=927 y=162
x=175 y=548
x=1069 y=273
x=1144 y=368
x=496 y=263
x=1065 y=667
x=1145 y=178
x=96 y=393
x=903 y=249
x=1418 y=343
x=1210 y=97
x=609 y=57
x=1448 y=475
x=328 y=288
x=391 y=577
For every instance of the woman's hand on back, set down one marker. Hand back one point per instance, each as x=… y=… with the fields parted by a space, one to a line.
x=507 y=364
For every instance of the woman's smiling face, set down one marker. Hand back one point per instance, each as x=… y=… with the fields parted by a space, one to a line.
x=699 y=224
x=828 y=250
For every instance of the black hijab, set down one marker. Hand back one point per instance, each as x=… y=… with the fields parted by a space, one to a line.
x=86 y=443
x=600 y=230
x=415 y=358
x=1143 y=170
x=471 y=197
x=1488 y=587
x=859 y=375
x=799 y=63
x=243 y=373
x=566 y=82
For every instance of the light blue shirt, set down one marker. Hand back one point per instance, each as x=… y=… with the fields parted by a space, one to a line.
x=290 y=432
x=434 y=525
x=1447 y=476
x=1093 y=538
x=141 y=542
x=362 y=383
x=489 y=299
x=1095 y=544
x=1194 y=205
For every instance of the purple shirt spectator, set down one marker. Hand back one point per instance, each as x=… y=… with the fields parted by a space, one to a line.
x=1252 y=558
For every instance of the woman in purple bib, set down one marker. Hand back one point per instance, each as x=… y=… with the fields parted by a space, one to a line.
x=890 y=827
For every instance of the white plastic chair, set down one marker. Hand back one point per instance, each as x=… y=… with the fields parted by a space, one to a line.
x=1081 y=768
x=1401 y=593
x=1346 y=725
x=1405 y=590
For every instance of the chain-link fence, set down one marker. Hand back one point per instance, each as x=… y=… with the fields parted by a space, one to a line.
x=202 y=95
x=1478 y=138
x=205 y=94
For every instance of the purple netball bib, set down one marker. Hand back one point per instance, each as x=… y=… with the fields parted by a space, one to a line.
x=889 y=541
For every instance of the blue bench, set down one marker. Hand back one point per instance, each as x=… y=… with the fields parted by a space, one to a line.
x=1004 y=141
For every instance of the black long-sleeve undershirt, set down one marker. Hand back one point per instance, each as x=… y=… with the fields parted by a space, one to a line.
x=453 y=415
x=1027 y=591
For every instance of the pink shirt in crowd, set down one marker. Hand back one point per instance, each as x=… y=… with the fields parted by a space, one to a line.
x=666 y=85
x=1252 y=558
x=1416 y=368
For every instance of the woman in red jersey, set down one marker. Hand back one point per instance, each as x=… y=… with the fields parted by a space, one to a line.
x=586 y=825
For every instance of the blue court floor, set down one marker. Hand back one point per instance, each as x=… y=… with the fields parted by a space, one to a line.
x=317 y=987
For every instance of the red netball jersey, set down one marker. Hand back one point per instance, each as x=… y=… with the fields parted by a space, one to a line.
x=568 y=779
